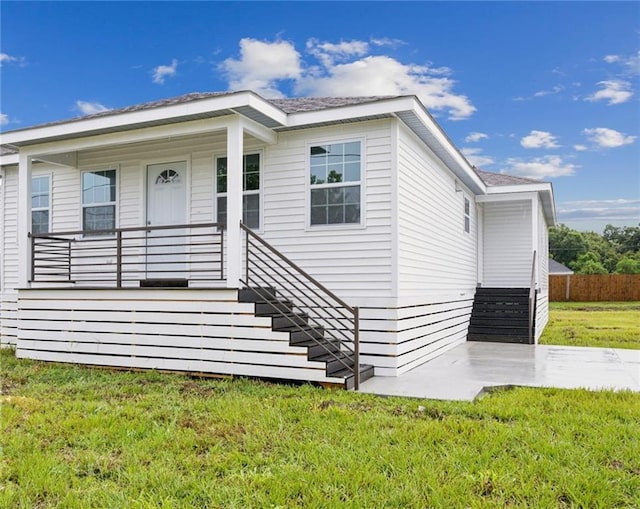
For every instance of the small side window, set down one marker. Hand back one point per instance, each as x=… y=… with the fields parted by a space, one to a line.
x=467 y=215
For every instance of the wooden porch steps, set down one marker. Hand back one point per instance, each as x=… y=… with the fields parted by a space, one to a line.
x=500 y=315
x=303 y=332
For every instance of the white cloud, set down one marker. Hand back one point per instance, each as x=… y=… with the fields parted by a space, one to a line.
x=614 y=91
x=386 y=41
x=631 y=62
x=89 y=108
x=328 y=52
x=580 y=148
x=593 y=215
x=608 y=138
x=476 y=158
x=4 y=119
x=261 y=65
x=601 y=203
x=539 y=139
x=10 y=59
x=554 y=90
x=475 y=137
x=383 y=75
x=162 y=72
x=342 y=69
x=540 y=167
x=7 y=58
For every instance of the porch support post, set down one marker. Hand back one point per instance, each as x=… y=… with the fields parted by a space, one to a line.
x=234 y=202
x=24 y=220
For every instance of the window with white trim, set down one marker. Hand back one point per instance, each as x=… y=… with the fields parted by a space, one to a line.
x=250 y=190
x=99 y=200
x=334 y=182
x=41 y=204
x=467 y=215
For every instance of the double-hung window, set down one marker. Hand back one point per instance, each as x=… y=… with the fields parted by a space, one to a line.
x=98 y=200
x=250 y=190
x=335 y=183
x=41 y=204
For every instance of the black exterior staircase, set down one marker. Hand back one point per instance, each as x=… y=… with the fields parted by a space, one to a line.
x=321 y=347
x=502 y=315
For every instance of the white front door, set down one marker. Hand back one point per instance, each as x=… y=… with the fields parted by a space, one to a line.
x=167 y=205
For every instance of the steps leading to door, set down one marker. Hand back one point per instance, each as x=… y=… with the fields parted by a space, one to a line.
x=303 y=332
x=500 y=315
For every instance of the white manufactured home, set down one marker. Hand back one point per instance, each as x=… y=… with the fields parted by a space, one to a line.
x=326 y=239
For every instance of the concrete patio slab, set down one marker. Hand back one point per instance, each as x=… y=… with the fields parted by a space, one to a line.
x=471 y=368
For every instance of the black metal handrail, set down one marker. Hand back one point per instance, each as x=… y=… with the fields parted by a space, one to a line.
x=126 y=256
x=266 y=267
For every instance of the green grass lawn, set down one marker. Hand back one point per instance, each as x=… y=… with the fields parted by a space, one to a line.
x=602 y=324
x=77 y=437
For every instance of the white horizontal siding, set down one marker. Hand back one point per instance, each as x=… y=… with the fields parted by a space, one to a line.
x=9 y=274
x=542 y=308
x=508 y=248
x=435 y=253
x=352 y=261
x=185 y=330
x=8 y=256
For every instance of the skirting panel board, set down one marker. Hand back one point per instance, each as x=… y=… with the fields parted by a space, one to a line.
x=396 y=340
x=8 y=319
x=192 y=330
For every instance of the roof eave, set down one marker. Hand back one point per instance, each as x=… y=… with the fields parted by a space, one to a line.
x=183 y=111
x=543 y=189
x=414 y=115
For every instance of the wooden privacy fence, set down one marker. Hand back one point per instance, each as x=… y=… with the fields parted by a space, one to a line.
x=595 y=287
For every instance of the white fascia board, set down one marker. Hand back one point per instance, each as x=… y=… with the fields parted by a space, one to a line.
x=520 y=188
x=563 y=273
x=191 y=127
x=525 y=191
x=381 y=107
x=8 y=159
x=76 y=127
x=495 y=197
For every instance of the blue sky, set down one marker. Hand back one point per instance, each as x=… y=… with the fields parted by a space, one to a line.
x=546 y=90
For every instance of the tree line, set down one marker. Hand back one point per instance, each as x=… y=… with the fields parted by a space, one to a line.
x=616 y=251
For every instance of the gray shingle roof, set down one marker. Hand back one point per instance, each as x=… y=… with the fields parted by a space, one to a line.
x=288 y=105
x=557 y=268
x=303 y=104
x=502 y=179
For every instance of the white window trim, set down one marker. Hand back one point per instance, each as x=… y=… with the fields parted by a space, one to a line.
x=341 y=226
x=259 y=192
x=50 y=207
x=115 y=167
